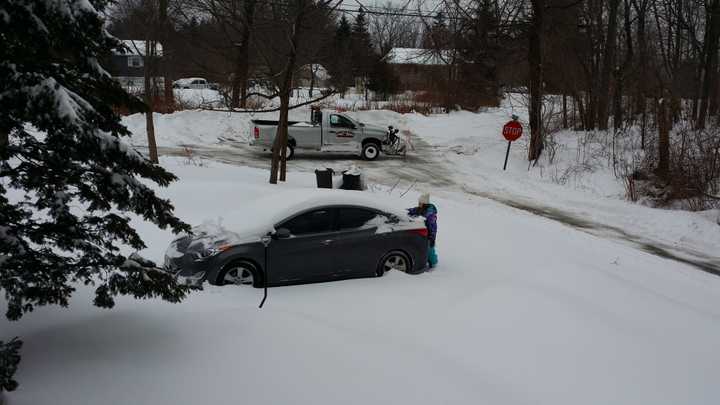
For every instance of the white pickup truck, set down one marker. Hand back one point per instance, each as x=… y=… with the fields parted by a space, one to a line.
x=329 y=131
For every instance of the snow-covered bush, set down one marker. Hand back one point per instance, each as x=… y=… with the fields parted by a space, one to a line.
x=693 y=180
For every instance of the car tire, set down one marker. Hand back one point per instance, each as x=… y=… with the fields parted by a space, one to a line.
x=394 y=260
x=239 y=272
x=370 y=151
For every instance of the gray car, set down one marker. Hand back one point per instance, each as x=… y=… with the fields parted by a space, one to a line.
x=335 y=236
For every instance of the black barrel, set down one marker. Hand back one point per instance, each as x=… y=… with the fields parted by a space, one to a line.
x=351 y=181
x=324 y=178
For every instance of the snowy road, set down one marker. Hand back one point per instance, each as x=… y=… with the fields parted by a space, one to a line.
x=423 y=165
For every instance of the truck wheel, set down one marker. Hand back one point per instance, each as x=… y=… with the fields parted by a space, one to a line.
x=289 y=152
x=370 y=151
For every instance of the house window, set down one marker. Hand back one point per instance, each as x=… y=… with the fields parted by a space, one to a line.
x=135 y=61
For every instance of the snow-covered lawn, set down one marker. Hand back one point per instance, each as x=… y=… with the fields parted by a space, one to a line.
x=464 y=152
x=521 y=310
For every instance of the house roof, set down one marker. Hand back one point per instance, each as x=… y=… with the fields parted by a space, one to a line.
x=137 y=47
x=417 y=56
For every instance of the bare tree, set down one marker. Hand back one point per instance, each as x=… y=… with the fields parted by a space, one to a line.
x=229 y=26
x=392 y=27
x=710 y=62
x=292 y=34
x=608 y=65
x=535 y=51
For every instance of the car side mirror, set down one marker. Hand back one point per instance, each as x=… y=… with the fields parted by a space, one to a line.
x=282 y=233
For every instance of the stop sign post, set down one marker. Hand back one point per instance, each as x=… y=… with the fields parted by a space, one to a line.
x=512 y=131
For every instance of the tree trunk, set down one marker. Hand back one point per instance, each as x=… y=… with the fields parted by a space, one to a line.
x=710 y=62
x=608 y=66
x=577 y=99
x=280 y=144
x=239 y=82
x=643 y=124
x=620 y=76
x=4 y=143
x=536 y=78
x=148 y=64
x=664 y=124
x=641 y=96
x=564 y=111
x=279 y=157
x=713 y=103
x=617 y=102
x=312 y=80
x=165 y=28
x=242 y=65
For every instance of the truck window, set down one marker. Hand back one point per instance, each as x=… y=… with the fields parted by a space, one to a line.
x=340 y=121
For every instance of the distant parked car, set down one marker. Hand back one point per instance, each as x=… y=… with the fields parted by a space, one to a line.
x=194 y=83
x=316 y=235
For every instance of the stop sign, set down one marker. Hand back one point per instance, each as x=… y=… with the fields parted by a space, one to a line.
x=512 y=131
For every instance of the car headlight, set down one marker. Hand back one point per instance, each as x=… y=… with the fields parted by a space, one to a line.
x=209 y=252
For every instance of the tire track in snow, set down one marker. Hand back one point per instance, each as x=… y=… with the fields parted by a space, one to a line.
x=687 y=256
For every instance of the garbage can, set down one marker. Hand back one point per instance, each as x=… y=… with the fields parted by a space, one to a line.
x=351 y=180
x=324 y=178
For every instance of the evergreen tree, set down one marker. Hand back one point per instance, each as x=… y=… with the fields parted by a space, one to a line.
x=339 y=65
x=67 y=180
x=383 y=80
x=343 y=30
x=362 y=51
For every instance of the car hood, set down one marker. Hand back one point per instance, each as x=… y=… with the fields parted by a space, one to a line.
x=211 y=234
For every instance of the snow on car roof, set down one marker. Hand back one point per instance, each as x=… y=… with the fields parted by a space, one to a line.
x=259 y=216
x=286 y=203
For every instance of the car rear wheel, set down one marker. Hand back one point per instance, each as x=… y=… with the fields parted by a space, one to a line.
x=370 y=151
x=238 y=273
x=394 y=261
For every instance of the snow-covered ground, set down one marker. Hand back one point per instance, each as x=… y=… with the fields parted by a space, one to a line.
x=464 y=151
x=521 y=310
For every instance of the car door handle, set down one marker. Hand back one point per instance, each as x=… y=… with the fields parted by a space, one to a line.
x=327 y=242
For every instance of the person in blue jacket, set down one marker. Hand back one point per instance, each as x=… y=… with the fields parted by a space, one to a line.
x=429 y=212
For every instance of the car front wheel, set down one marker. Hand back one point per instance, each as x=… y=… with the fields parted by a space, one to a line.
x=239 y=273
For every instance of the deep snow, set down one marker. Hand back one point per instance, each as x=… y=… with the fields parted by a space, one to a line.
x=464 y=152
x=520 y=310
